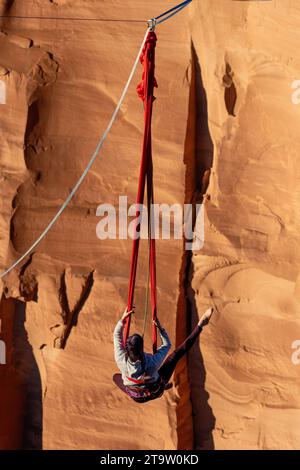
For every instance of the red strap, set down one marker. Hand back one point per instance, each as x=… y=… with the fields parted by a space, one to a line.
x=145 y=91
x=141 y=382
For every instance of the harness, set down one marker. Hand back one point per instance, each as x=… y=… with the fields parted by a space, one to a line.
x=146 y=392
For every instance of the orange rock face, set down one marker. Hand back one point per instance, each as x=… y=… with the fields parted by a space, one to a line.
x=249 y=61
x=224 y=132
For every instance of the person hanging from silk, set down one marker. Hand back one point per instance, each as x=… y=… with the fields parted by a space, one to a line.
x=146 y=376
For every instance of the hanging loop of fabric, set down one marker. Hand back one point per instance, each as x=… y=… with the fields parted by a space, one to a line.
x=150 y=231
x=145 y=91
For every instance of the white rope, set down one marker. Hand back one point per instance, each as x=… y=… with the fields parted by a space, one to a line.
x=87 y=169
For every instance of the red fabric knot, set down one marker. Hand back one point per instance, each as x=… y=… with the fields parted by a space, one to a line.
x=148 y=49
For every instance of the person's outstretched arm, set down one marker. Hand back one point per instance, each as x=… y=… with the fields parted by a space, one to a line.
x=156 y=360
x=165 y=340
x=119 y=350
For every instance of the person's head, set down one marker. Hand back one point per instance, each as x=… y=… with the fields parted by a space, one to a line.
x=135 y=347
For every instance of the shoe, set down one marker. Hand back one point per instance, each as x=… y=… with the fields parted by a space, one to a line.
x=204 y=320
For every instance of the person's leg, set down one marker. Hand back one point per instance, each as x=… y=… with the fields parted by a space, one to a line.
x=167 y=369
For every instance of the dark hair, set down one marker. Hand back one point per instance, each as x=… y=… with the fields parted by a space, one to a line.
x=135 y=348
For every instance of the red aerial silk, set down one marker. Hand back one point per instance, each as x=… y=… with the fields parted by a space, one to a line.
x=145 y=91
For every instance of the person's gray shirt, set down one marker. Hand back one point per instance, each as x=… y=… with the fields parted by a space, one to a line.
x=152 y=362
